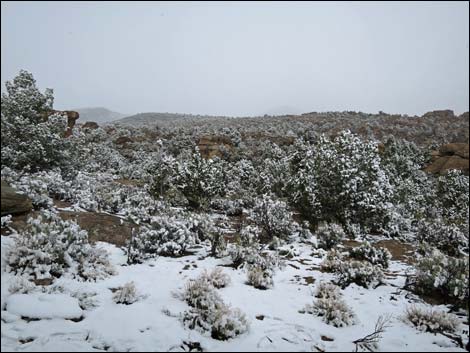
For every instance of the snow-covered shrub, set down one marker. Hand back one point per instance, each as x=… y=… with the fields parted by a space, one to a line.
x=330 y=306
x=228 y=323
x=126 y=294
x=199 y=179
x=36 y=189
x=429 y=320
x=374 y=255
x=216 y=278
x=6 y=221
x=166 y=236
x=30 y=139
x=51 y=247
x=273 y=217
x=447 y=275
x=261 y=278
x=453 y=195
x=341 y=180
x=449 y=238
x=330 y=235
x=332 y=261
x=210 y=313
x=361 y=273
x=21 y=285
x=327 y=290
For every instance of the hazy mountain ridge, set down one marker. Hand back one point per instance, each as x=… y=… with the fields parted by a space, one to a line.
x=98 y=114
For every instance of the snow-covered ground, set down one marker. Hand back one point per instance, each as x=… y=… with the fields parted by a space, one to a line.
x=54 y=320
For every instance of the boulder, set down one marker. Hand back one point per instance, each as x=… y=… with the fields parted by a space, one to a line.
x=90 y=125
x=12 y=202
x=449 y=156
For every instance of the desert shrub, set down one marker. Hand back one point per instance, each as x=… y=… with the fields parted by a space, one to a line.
x=375 y=256
x=330 y=306
x=361 y=273
x=126 y=294
x=51 y=247
x=165 y=236
x=429 y=320
x=330 y=235
x=261 y=278
x=209 y=313
x=447 y=275
x=21 y=285
x=30 y=140
x=332 y=261
x=273 y=217
x=228 y=323
x=199 y=179
x=217 y=278
x=327 y=290
x=6 y=221
x=453 y=196
x=449 y=238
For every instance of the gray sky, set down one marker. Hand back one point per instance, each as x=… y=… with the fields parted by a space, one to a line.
x=242 y=58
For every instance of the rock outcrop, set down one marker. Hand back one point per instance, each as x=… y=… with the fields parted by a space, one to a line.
x=72 y=117
x=214 y=146
x=12 y=202
x=90 y=125
x=450 y=156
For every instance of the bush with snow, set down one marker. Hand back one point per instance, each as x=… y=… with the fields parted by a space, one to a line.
x=445 y=274
x=361 y=273
x=30 y=139
x=429 y=320
x=21 y=285
x=6 y=221
x=374 y=255
x=273 y=217
x=165 y=236
x=332 y=261
x=217 y=278
x=330 y=306
x=330 y=235
x=209 y=313
x=449 y=238
x=259 y=277
x=126 y=294
x=51 y=247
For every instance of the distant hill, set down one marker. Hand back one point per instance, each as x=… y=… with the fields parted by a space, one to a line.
x=149 y=118
x=99 y=115
x=283 y=110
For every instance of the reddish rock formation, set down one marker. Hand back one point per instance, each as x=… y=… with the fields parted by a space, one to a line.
x=90 y=125
x=212 y=146
x=450 y=156
x=122 y=140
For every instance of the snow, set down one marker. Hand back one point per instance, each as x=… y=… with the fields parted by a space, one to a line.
x=44 y=306
x=151 y=324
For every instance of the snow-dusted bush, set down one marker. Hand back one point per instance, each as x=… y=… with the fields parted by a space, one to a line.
x=35 y=187
x=166 y=236
x=6 y=221
x=374 y=255
x=332 y=261
x=449 y=238
x=273 y=217
x=126 y=294
x=51 y=247
x=453 y=195
x=330 y=235
x=429 y=320
x=228 y=323
x=330 y=306
x=447 y=275
x=210 y=313
x=30 y=139
x=361 y=273
x=199 y=179
x=21 y=285
x=327 y=290
x=216 y=278
x=261 y=278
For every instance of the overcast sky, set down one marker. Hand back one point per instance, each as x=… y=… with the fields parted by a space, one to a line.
x=242 y=58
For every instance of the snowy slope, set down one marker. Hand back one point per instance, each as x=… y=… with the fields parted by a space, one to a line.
x=151 y=324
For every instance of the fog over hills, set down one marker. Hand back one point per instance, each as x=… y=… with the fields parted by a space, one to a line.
x=98 y=114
